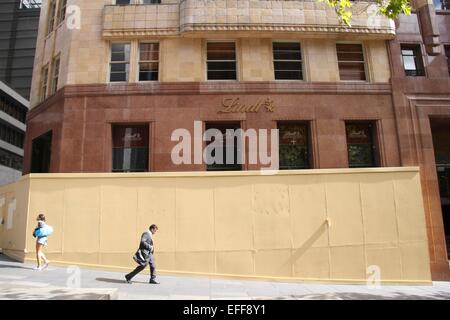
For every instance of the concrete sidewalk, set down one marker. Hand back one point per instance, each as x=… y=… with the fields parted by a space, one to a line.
x=20 y=281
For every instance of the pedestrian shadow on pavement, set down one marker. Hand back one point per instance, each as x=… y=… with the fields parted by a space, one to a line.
x=8 y=266
x=117 y=280
x=110 y=280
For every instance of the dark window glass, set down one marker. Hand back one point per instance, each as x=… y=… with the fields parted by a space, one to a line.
x=123 y=2
x=412 y=60
x=294 y=146
x=55 y=75
x=226 y=149
x=148 y=61
x=41 y=149
x=30 y=4
x=151 y=1
x=51 y=16
x=287 y=60
x=221 y=61
x=447 y=54
x=43 y=84
x=11 y=135
x=442 y=4
x=360 y=144
x=130 y=148
x=13 y=109
x=62 y=11
x=120 y=62
x=351 y=61
x=10 y=160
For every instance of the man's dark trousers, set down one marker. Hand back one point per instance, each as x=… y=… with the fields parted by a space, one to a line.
x=139 y=268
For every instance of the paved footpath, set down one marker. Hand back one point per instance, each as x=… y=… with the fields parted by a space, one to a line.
x=20 y=281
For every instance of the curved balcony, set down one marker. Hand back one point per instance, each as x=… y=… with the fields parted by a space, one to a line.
x=256 y=18
x=141 y=20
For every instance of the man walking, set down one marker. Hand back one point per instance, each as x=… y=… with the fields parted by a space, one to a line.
x=144 y=255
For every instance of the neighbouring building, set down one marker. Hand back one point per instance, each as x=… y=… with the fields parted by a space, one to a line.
x=109 y=91
x=13 y=111
x=19 y=20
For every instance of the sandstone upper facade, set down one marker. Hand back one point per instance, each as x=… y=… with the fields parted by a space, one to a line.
x=80 y=41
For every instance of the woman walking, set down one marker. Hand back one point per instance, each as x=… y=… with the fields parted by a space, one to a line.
x=41 y=233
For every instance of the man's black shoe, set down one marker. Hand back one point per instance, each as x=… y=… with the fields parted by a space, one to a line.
x=153 y=282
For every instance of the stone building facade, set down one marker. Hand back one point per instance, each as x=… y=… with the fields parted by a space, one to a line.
x=113 y=81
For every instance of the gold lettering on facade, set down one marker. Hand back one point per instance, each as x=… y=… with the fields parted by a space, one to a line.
x=234 y=105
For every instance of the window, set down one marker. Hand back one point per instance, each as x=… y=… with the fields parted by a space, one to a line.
x=120 y=62
x=442 y=4
x=447 y=54
x=294 y=145
x=51 y=16
x=221 y=60
x=230 y=148
x=43 y=85
x=148 y=61
x=362 y=151
x=151 y=1
x=351 y=61
x=123 y=2
x=41 y=149
x=30 y=4
x=13 y=109
x=412 y=60
x=287 y=61
x=11 y=160
x=62 y=11
x=130 y=148
x=55 y=74
x=11 y=135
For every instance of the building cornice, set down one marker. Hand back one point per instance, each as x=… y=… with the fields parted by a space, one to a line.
x=292 y=28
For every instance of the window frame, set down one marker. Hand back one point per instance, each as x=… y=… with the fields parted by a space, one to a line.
x=447 y=50
x=375 y=147
x=130 y=44
x=239 y=155
x=55 y=75
x=147 y=61
x=11 y=135
x=302 y=61
x=51 y=17
x=440 y=8
x=43 y=85
x=61 y=13
x=149 y=146
x=418 y=47
x=309 y=143
x=365 y=62
x=123 y=4
x=45 y=137
x=236 y=61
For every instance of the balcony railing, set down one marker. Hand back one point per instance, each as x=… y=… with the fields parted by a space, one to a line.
x=242 y=16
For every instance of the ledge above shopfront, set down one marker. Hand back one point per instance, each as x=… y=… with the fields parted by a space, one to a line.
x=228 y=18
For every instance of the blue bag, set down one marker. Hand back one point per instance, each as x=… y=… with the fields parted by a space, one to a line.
x=45 y=231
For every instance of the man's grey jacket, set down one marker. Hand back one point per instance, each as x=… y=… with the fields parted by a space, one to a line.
x=145 y=251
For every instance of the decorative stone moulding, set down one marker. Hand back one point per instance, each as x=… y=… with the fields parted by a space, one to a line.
x=389 y=32
x=123 y=34
x=193 y=17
